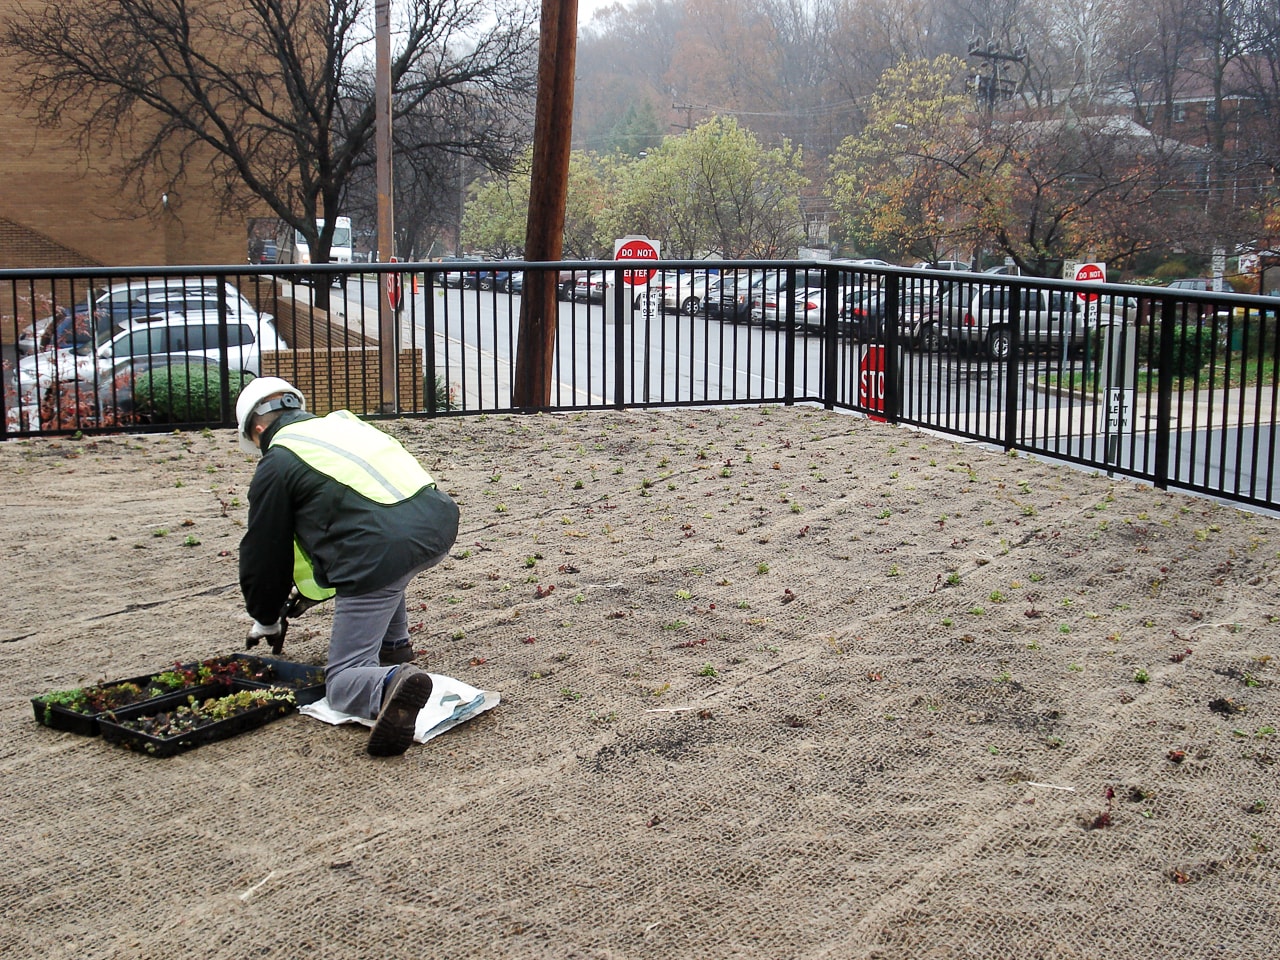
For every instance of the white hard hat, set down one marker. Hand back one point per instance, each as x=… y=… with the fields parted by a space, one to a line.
x=251 y=401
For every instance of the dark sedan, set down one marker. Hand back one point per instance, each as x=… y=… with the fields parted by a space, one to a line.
x=729 y=298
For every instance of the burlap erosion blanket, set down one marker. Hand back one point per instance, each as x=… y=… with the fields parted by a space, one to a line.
x=775 y=683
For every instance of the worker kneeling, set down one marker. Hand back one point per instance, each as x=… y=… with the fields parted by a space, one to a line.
x=337 y=508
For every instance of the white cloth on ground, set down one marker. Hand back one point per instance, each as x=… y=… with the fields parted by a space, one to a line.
x=452 y=702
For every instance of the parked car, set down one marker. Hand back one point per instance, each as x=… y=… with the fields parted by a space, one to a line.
x=677 y=290
x=592 y=287
x=942 y=265
x=978 y=319
x=515 y=282
x=729 y=298
x=194 y=334
x=863 y=317
x=809 y=302
x=451 y=278
x=488 y=278
x=124 y=302
x=264 y=251
x=567 y=280
x=1199 y=284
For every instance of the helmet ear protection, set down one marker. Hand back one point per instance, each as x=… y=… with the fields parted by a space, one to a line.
x=287 y=401
x=262 y=395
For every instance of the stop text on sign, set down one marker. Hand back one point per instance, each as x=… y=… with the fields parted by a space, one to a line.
x=871 y=383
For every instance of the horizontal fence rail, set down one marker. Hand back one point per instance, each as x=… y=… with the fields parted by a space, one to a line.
x=1173 y=387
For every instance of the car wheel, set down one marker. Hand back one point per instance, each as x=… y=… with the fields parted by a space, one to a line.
x=690 y=306
x=998 y=344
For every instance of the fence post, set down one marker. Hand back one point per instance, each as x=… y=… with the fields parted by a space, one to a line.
x=892 y=309
x=429 y=346
x=226 y=407
x=620 y=351
x=1012 y=364
x=1164 y=399
x=789 y=386
x=831 y=310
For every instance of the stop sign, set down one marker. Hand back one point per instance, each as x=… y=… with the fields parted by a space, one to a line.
x=1090 y=273
x=871 y=383
x=394 y=291
x=636 y=249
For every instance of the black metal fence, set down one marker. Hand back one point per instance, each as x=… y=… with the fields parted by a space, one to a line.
x=1170 y=386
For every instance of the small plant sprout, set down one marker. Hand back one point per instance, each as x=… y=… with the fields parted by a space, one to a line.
x=707 y=670
x=1141 y=676
x=762 y=568
x=191 y=540
x=160 y=532
x=684 y=595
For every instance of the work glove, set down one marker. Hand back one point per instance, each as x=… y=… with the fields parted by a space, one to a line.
x=274 y=631
x=297 y=604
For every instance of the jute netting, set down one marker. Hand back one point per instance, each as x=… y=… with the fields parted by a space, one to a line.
x=775 y=683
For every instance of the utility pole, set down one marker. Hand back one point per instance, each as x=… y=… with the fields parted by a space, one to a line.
x=544 y=233
x=387 y=327
x=688 y=109
x=996 y=84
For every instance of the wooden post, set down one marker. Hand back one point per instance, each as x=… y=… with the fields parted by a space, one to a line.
x=387 y=327
x=544 y=234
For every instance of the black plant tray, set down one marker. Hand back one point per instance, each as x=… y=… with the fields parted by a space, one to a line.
x=60 y=717
x=306 y=681
x=112 y=730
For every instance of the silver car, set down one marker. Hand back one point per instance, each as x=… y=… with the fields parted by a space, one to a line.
x=977 y=318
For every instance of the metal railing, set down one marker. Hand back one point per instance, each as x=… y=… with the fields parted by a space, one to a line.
x=1169 y=386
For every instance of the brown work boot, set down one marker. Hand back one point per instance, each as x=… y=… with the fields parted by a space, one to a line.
x=406 y=695
x=392 y=656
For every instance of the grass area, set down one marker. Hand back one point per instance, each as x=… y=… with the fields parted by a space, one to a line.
x=1228 y=372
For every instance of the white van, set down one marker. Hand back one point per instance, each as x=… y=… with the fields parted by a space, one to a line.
x=292 y=246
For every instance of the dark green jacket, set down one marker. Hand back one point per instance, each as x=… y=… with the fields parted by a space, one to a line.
x=357 y=505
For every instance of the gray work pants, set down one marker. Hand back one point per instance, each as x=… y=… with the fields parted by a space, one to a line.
x=362 y=623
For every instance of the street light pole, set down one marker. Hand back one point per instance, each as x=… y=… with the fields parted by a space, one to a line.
x=386 y=223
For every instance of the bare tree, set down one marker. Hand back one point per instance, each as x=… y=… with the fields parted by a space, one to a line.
x=266 y=100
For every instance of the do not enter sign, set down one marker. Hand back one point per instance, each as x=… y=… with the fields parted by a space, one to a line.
x=1090 y=273
x=871 y=383
x=634 y=249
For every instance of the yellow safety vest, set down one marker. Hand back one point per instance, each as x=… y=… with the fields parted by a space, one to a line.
x=357 y=455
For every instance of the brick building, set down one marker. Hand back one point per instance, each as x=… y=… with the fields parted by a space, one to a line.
x=59 y=207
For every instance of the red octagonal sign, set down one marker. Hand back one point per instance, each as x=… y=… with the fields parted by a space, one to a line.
x=871 y=383
x=1090 y=273
x=637 y=250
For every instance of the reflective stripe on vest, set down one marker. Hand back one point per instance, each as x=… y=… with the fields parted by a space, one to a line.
x=357 y=455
